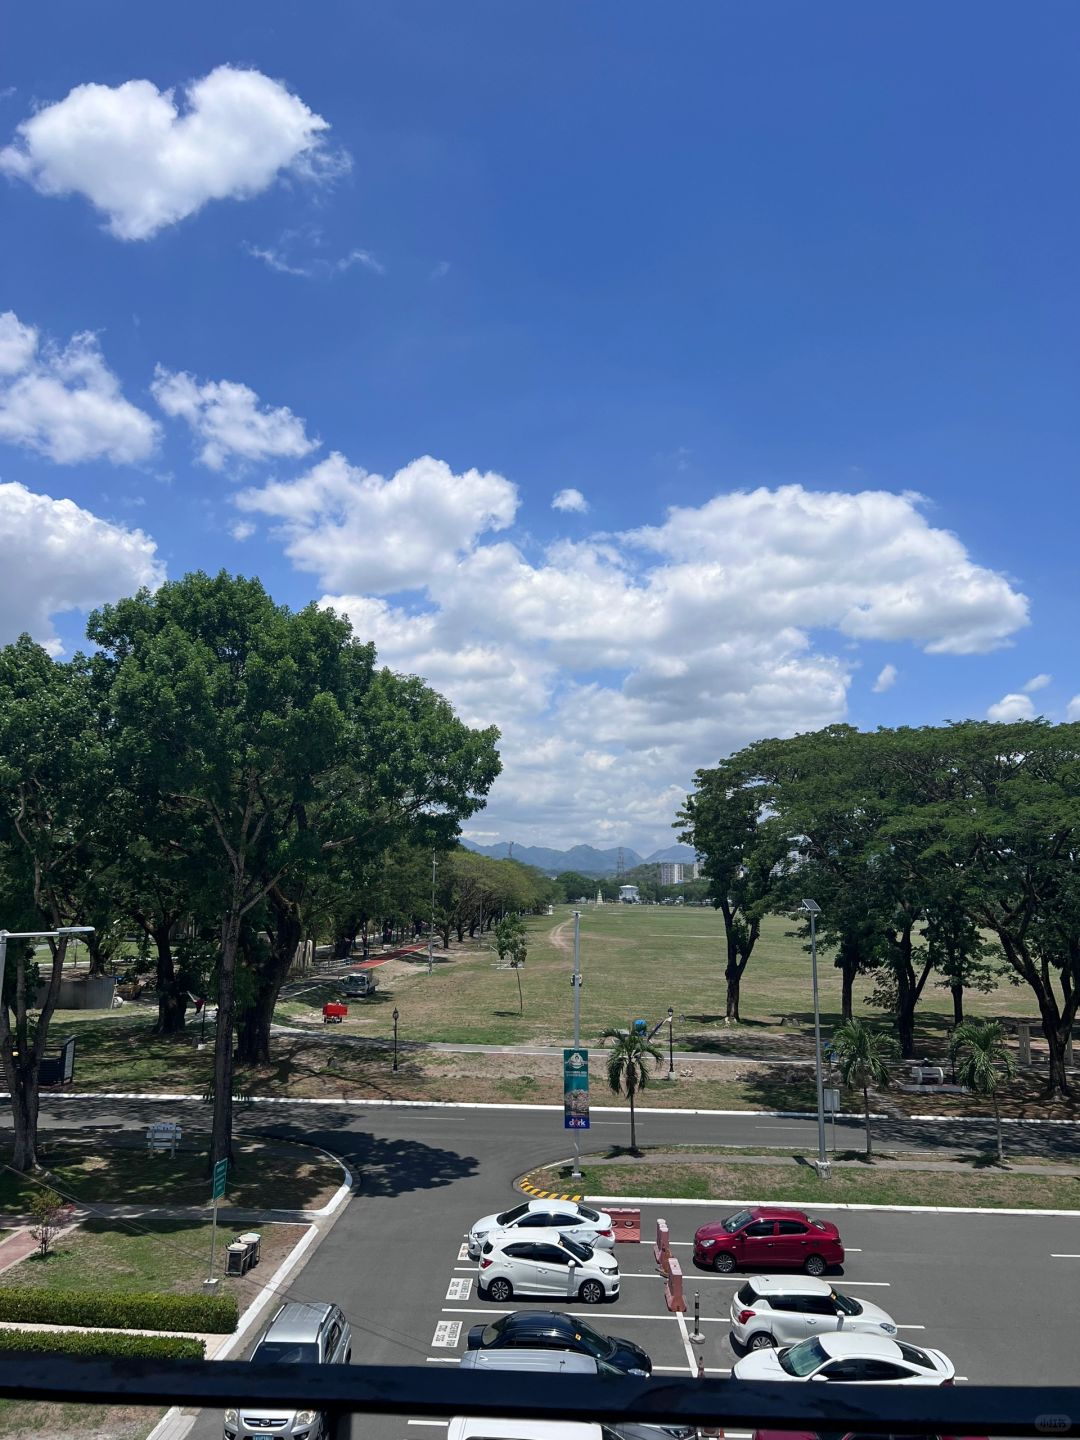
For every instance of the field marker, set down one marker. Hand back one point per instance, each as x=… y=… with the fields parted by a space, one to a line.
x=447 y=1334
x=462 y=1254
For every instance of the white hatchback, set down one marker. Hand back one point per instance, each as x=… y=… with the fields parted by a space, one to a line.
x=772 y=1310
x=581 y=1222
x=860 y=1359
x=547 y=1264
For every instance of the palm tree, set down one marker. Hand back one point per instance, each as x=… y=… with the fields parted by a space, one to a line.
x=982 y=1061
x=629 y=1067
x=862 y=1057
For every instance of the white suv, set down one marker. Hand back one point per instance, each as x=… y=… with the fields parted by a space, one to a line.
x=774 y=1310
x=547 y=1264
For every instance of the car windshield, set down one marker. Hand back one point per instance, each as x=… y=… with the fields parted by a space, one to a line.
x=914 y=1356
x=845 y=1304
x=736 y=1222
x=747 y=1295
x=576 y=1248
x=509 y=1216
x=803 y=1359
x=587 y=1214
x=286 y=1352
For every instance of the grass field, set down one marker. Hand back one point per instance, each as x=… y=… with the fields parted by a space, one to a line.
x=799 y=1184
x=636 y=961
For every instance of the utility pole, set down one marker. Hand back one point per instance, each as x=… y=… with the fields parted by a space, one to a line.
x=813 y=909
x=576 y=982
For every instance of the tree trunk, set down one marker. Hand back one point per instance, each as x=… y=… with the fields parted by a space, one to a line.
x=847 y=988
x=957 y=1003
x=633 y=1120
x=221 y=1131
x=172 y=999
x=521 y=998
x=253 y=1026
x=24 y=1113
x=734 y=982
x=97 y=954
x=866 y=1112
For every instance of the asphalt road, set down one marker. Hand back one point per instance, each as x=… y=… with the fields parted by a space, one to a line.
x=987 y=1288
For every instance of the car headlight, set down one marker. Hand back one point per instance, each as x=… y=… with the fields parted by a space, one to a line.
x=706 y=1243
x=306 y=1417
x=231 y=1417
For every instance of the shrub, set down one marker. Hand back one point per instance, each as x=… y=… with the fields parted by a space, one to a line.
x=81 y=1342
x=208 y=1314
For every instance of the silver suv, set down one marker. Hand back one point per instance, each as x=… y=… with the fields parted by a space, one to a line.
x=298 y=1334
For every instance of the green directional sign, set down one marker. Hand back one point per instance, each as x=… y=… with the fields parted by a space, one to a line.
x=221 y=1169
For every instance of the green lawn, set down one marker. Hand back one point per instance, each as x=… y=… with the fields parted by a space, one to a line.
x=741 y=1184
x=267 y=1174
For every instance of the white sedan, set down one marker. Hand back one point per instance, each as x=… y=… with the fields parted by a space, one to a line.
x=862 y=1359
x=547 y=1264
x=591 y=1227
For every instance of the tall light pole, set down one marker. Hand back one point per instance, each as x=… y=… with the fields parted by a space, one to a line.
x=575 y=981
x=670 y=1044
x=395 y=1038
x=813 y=909
x=431 y=932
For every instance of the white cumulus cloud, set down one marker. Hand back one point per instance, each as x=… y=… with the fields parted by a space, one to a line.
x=616 y=665
x=59 y=557
x=1072 y=710
x=1011 y=707
x=572 y=500
x=146 y=160
x=227 y=420
x=65 y=402
x=1037 y=682
x=886 y=679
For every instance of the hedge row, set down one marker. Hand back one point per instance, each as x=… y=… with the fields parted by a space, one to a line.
x=206 y=1314
x=104 y=1342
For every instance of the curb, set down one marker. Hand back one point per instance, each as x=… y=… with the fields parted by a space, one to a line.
x=742 y=1203
x=527 y=1188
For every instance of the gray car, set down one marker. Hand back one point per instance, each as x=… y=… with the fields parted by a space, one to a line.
x=298 y=1334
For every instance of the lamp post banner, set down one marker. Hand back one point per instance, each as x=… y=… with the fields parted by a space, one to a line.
x=575 y=1089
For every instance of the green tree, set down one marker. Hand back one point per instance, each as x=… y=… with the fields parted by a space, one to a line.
x=983 y=1063
x=727 y=821
x=862 y=1057
x=512 y=943
x=629 y=1068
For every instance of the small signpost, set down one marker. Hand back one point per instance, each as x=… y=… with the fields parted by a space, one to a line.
x=830 y=1099
x=221 y=1170
x=575 y=1089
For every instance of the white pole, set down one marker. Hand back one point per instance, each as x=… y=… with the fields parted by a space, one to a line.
x=431 y=932
x=576 y=1172
x=823 y=1163
x=213 y=1240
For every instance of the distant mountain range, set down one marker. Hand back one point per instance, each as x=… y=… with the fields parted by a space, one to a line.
x=585 y=859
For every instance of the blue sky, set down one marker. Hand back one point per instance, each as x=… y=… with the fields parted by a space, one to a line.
x=805 y=274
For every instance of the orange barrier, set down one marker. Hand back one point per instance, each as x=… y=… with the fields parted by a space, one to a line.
x=662 y=1248
x=626 y=1224
x=673 y=1291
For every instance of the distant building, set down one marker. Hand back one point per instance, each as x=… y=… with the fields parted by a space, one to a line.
x=629 y=895
x=674 y=872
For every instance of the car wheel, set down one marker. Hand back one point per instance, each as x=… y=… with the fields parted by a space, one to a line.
x=760 y=1340
x=499 y=1290
x=723 y=1262
x=815 y=1265
x=591 y=1292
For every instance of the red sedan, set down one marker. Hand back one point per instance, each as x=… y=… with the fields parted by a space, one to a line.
x=769 y=1237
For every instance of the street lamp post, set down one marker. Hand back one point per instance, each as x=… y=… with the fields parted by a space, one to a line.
x=670 y=1044
x=395 y=1038
x=813 y=909
x=431 y=931
x=575 y=980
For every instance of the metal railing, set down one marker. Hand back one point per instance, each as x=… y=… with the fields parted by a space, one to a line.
x=340 y=1391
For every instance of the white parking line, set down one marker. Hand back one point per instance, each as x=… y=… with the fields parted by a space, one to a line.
x=691 y=1358
x=911 y=1327
x=1064 y=1257
x=439 y=1360
x=709 y=1370
x=863 y=1284
x=443 y=1423
x=469 y=1269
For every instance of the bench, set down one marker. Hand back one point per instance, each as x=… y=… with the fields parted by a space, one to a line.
x=927 y=1075
x=164 y=1135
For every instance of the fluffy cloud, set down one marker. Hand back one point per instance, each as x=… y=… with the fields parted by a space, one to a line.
x=228 y=421
x=1037 y=682
x=65 y=402
x=1072 y=710
x=617 y=665
x=146 y=161
x=886 y=679
x=59 y=557
x=1011 y=707
x=570 y=500
x=356 y=530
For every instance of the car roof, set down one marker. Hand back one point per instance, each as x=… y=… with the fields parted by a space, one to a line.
x=297 y=1322
x=543 y=1233
x=841 y=1343
x=464 y=1426
x=570 y=1206
x=777 y=1212
x=770 y=1285
x=520 y=1357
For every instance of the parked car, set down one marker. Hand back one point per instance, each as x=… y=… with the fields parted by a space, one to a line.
x=546 y=1264
x=549 y=1329
x=298 y=1334
x=769 y=1237
x=772 y=1310
x=360 y=985
x=591 y=1227
x=861 y=1359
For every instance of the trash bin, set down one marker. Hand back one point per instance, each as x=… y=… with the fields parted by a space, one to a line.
x=253 y=1241
x=236 y=1259
x=641 y=1027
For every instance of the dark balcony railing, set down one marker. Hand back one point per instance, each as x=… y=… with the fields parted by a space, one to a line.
x=342 y=1390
